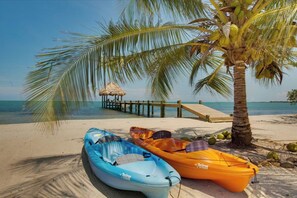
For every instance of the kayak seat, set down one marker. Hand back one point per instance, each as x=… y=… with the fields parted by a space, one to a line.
x=142 y=134
x=111 y=151
x=168 y=144
x=198 y=145
x=161 y=134
x=109 y=138
x=129 y=158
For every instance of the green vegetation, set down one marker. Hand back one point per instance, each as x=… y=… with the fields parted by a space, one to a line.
x=292 y=96
x=220 y=39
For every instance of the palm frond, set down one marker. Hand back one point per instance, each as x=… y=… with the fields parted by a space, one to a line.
x=165 y=68
x=261 y=33
x=273 y=27
x=73 y=72
x=211 y=61
x=182 y=9
x=216 y=82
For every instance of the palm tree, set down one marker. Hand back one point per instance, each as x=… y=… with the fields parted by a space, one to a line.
x=220 y=39
x=292 y=96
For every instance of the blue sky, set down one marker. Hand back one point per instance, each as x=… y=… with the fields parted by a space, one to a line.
x=28 y=26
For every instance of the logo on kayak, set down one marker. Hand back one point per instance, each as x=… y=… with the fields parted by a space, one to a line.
x=97 y=135
x=126 y=176
x=202 y=166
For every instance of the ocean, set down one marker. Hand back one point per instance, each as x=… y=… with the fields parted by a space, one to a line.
x=12 y=112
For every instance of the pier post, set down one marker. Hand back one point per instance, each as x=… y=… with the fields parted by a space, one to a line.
x=138 y=108
x=125 y=106
x=162 y=108
x=120 y=106
x=105 y=103
x=152 y=108
x=179 y=109
x=130 y=107
x=142 y=107
x=200 y=102
x=148 y=108
x=207 y=118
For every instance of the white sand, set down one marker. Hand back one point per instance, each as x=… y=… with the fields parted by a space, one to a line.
x=37 y=164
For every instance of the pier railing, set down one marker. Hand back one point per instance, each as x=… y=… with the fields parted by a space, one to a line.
x=144 y=108
x=147 y=108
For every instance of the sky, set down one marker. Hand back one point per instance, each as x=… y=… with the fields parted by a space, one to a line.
x=28 y=26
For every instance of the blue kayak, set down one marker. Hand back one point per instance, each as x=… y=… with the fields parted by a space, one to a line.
x=123 y=165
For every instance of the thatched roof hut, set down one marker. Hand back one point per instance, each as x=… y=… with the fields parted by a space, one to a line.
x=112 y=89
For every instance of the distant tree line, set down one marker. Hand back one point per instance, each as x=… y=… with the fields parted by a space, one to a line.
x=292 y=96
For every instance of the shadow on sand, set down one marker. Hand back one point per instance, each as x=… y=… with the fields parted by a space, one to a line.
x=71 y=176
x=60 y=176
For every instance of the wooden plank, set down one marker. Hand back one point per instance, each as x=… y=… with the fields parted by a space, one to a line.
x=221 y=119
x=202 y=111
x=207 y=113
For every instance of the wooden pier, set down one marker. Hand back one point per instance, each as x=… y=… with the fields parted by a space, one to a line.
x=147 y=108
x=207 y=113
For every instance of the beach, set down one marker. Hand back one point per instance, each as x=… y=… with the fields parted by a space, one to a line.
x=35 y=163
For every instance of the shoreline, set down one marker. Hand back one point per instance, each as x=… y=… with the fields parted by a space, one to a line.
x=45 y=164
x=134 y=116
x=12 y=112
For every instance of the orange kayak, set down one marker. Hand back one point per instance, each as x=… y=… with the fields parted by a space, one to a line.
x=195 y=160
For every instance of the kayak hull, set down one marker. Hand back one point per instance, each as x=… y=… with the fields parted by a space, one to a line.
x=147 y=175
x=227 y=170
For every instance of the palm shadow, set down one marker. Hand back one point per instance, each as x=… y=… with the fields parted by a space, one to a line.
x=45 y=176
x=60 y=176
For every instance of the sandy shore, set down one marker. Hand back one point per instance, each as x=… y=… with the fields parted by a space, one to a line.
x=38 y=164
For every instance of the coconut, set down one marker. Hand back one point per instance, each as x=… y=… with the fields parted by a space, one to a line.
x=229 y=136
x=226 y=133
x=292 y=147
x=220 y=136
x=272 y=155
x=233 y=30
x=212 y=141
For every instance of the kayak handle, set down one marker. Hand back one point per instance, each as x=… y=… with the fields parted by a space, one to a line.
x=255 y=180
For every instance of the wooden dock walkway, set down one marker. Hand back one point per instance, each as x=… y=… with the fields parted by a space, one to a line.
x=207 y=113
x=146 y=108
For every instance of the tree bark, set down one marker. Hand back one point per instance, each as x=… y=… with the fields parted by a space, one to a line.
x=241 y=129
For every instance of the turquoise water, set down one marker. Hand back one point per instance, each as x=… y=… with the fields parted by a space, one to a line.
x=15 y=111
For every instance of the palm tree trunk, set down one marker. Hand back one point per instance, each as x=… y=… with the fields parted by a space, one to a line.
x=241 y=129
